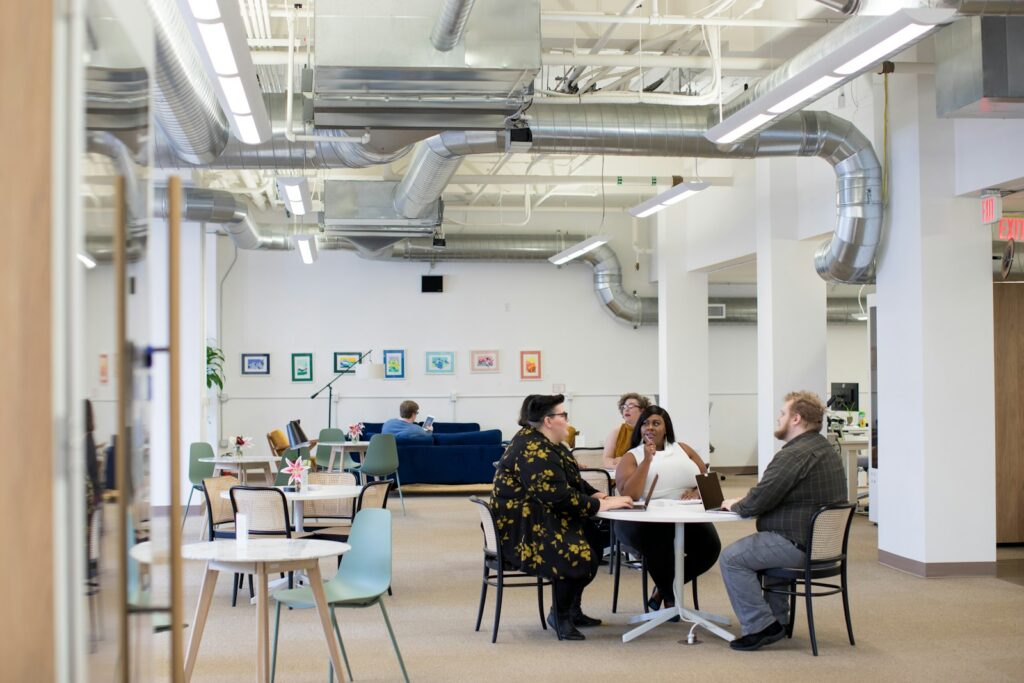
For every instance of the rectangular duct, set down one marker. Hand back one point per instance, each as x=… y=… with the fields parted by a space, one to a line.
x=979 y=69
x=367 y=207
x=716 y=311
x=376 y=66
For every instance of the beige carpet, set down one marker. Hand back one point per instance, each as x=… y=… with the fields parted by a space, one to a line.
x=906 y=628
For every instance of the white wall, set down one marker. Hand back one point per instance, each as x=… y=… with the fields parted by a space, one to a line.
x=274 y=304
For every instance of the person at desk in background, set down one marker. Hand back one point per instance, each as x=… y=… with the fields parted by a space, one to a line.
x=804 y=475
x=404 y=427
x=617 y=442
x=542 y=511
x=655 y=452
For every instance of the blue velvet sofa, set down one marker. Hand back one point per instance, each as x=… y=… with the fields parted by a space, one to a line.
x=460 y=454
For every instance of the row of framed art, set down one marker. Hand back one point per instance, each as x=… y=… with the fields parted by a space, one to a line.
x=437 y=363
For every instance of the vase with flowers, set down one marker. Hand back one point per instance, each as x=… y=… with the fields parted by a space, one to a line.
x=241 y=442
x=355 y=431
x=296 y=471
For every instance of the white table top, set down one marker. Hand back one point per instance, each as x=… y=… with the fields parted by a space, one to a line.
x=340 y=444
x=143 y=553
x=674 y=512
x=263 y=550
x=242 y=459
x=316 y=492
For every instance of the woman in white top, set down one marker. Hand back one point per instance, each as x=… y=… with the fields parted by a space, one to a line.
x=654 y=451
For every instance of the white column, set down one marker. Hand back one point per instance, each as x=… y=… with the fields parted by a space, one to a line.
x=191 y=344
x=791 y=303
x=682 y=335
x=936 y=456
x=211 y=315
x=159 y=385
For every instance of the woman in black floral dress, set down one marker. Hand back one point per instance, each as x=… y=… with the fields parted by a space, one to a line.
x=543 y=509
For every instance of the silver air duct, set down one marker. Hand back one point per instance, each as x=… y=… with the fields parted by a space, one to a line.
x=280 y=153
x=184 y=104
x=215 y=206
x=607 y=272
x=435 y=162
x=744 y=311
x=451 y=24
x=662 y=130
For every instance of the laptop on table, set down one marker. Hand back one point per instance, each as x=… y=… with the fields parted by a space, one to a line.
x=642 y=507
x=710 y=489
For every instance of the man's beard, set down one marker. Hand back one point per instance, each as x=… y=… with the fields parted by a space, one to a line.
x=780 y=434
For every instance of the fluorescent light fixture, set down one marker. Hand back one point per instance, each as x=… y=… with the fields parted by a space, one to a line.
x=879 y=40
x=86 y=260
x=294 y=191
x=307 y=248
x=579 y=249
x=219 y=34
x=673 y=195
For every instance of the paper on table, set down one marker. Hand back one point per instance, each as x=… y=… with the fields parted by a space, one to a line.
x=664 y=502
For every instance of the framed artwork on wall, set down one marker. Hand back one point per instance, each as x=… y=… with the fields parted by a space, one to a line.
x=394 y=363
x=484 y=361
x=529 y=365
x=346 y=359
x=255 y=363
x=440 y=362
x=302 y=367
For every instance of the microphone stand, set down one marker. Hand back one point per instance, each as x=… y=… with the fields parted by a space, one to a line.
x=330 y=390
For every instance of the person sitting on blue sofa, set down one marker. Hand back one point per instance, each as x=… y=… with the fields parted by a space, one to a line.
x=405 y=428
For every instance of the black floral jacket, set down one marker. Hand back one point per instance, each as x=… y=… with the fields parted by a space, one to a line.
x=541 y=508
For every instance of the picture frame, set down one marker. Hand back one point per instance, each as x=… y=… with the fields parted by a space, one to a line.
x=256 y=364
x=346 y=359
x=302 y=367
x=486 y=361
x=529 y=365
x=394 y=363
x=440 y=362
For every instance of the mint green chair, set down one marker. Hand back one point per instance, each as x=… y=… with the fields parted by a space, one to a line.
x=323 y=453
x=361 y=581
x=282 y=479
x=382 y=461
x=197 y=471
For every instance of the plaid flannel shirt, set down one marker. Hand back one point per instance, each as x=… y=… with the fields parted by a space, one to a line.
x=806 y=474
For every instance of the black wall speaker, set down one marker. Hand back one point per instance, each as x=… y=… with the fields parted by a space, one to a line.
x=432 y=283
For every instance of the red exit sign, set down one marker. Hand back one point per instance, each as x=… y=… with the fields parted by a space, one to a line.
x=991 y=208
x=1011 y=228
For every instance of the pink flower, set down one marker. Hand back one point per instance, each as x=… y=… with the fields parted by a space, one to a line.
x=295 y=469
x=355 y=430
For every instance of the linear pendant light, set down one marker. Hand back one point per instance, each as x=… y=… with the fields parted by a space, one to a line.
x=579 y=249
x=294 y=192
x=307 y=248
x=673 y=195
x=884 y=38
x=217 y=30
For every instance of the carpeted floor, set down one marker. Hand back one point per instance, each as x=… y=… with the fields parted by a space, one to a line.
x=906 y=628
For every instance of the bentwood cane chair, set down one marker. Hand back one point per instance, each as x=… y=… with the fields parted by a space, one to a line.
x=496 y=572
x=826 y=557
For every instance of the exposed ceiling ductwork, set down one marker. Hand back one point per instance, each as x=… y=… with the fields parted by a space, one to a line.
x=450 y=26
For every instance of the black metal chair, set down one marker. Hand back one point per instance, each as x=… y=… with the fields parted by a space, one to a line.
x=826 y=557
x=496 y=572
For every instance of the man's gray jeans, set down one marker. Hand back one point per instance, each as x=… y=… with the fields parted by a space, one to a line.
x=739 y=564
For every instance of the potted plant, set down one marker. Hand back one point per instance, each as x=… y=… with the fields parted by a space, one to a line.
x=214 y=367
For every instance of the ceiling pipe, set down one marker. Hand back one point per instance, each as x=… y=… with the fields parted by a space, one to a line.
x=279 y=153
x=435 y=162
x=653 y=130
x=450 y=26
x=184 y=104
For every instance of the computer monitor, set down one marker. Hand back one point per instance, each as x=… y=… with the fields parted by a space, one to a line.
x=845 y=396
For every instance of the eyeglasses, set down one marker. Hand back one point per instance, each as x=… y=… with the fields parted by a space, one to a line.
x=565 y=415
x=628 y=406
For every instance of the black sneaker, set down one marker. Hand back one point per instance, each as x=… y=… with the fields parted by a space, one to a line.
x=755 y=641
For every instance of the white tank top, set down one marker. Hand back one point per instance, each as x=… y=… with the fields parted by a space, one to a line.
x=676 y=471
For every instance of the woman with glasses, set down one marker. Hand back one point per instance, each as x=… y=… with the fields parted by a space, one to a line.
x=617 y=442
x=654 y=451
x=543 y=509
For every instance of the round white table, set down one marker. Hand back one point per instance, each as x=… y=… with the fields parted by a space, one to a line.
x=679 y=513
x=311 y=492
x=265 y=463
x=261 y=557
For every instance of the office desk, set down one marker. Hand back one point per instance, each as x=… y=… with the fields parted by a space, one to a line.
x=680 y=514
x=850 y=447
